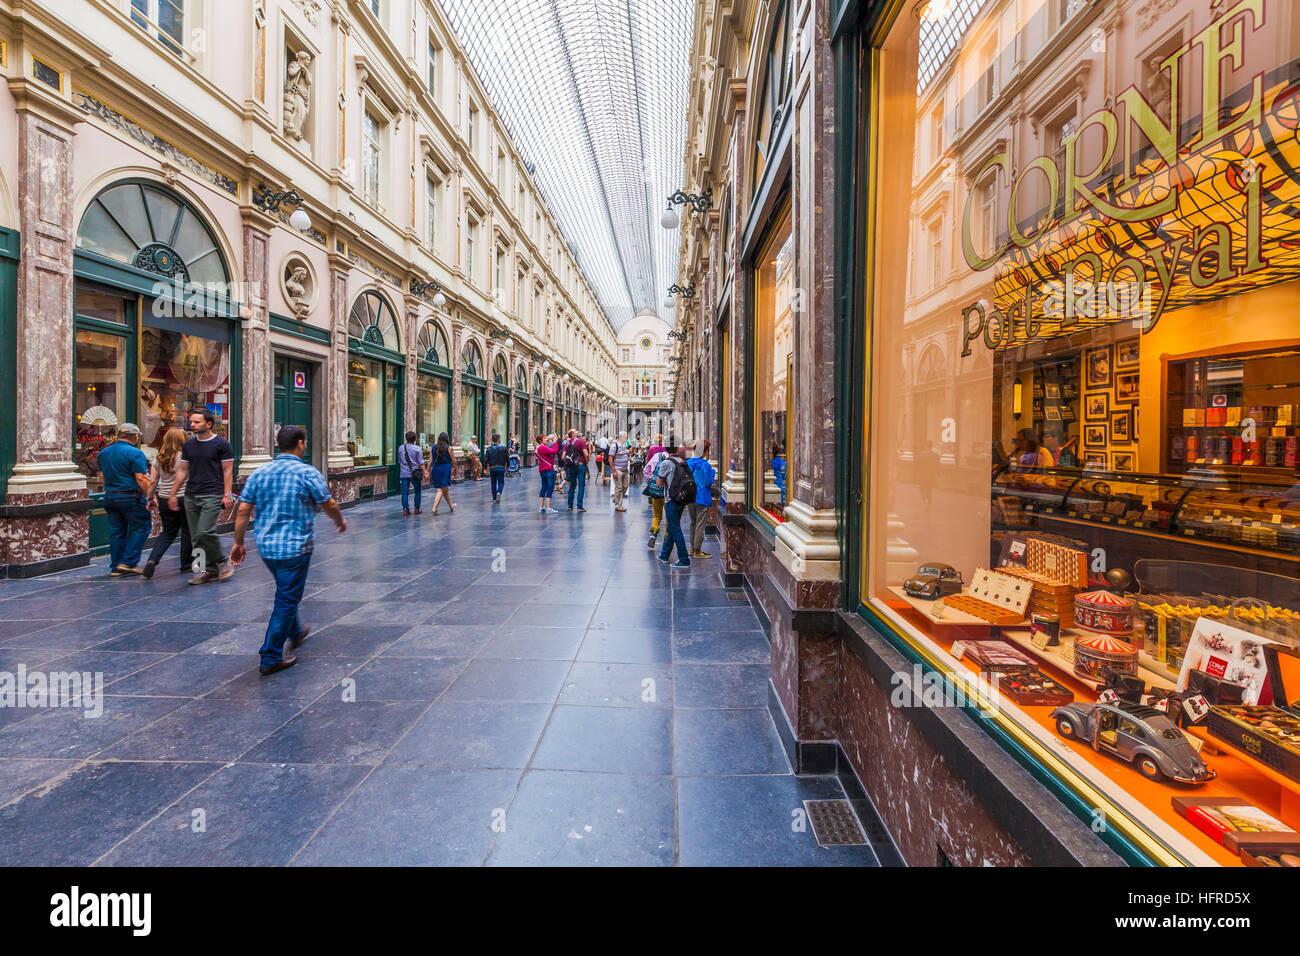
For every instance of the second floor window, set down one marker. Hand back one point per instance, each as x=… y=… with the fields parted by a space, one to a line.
x=471 y=236
x=431 y=69
x=371 y=153
x=431 y=186
x=167 y=17
x=469 y=131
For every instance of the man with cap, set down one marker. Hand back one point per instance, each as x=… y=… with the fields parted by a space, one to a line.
x=126 y=481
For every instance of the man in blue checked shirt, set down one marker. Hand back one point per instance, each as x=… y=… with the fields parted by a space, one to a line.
x=284 y=495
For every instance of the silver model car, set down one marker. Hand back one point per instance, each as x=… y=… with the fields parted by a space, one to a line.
x=1141 y=735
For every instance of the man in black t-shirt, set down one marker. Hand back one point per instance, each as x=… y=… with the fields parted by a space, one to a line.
x=206 y=470
x=497 y=458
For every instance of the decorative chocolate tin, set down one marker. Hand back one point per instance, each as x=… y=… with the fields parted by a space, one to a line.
x=1097 y=653
x=1104 y=613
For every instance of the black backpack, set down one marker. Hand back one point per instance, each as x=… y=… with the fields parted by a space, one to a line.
x=681 y=486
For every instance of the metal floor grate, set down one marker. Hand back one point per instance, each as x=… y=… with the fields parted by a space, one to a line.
x=834 y=823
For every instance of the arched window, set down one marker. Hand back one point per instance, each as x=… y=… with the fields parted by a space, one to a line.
x=471 y=358
x=431 y=345
x=521 y=379
x=500 y=371
x=152 y=228
x=373 y=321
x=559 y=395
x=537 y=385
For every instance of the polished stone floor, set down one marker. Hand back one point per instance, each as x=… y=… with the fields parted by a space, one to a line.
x=490 y=687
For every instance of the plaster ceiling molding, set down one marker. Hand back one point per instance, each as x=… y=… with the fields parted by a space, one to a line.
x=608 y=150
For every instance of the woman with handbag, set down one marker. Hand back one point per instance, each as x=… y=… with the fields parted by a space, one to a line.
x=410 y=461
x=440 y=472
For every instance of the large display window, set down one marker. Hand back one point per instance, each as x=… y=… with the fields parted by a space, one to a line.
x=1082 y=494
x=773 y=356
x=432 y=408
x=375 y=370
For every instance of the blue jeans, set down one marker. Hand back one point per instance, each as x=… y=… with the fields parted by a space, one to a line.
x=498 y=481
x=290 y=579
x=577 y=479
x=128 y=523
x=673 y=532
x=548 y=484
x=407 y=484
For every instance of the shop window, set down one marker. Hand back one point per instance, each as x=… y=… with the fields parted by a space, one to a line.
x=1093 y=416
x=179 y=373
x=366 y=411
x=774 y=100
x=432 y=408
x=471 y=126
x=773 y=356
x=500 y=371
x=101 y=400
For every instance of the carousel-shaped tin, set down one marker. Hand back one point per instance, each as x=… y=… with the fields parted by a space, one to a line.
x=1104 y=613
x=1095 y=654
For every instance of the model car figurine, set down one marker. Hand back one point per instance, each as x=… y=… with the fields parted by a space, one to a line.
x=1141 y=735
x=933 y=581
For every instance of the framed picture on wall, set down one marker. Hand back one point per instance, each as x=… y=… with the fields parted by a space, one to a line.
x=1096 y=407
x=1053 y=413
x=1095 y=459
x=1094 y=436
x=1052 y=390
x=1127 y=353
x=1099 y=367
x=1121 y=426
x=1126 y=386
x=1123 y=461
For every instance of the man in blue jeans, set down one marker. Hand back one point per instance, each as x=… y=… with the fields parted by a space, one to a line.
x=284 y=495
x=575 y=467
x=497 y=458
x=126 y=481
x=673 y=536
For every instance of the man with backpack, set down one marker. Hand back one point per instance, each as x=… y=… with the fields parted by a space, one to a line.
x=574 y=457
x=678 y=483
x=497 y=458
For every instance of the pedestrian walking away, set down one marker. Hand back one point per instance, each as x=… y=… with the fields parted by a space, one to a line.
x=206 y=471
x=162 y=479
x=575 y=457
x=125 y=471
x=704 y=475
x=497 y=458
x=410 y=461
x=674 y=477
x=546 y=452
x=619 y=459
x=655 y=493
x=284 y=495
x=440 y=462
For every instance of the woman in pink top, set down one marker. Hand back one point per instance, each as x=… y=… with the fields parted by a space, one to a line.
x=546 y=451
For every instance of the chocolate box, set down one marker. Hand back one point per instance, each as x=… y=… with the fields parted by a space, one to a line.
x=1238 y=725
x=1027 y=685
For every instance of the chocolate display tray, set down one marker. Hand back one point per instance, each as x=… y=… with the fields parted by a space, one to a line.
x=1015 y=683
x=1252 y=741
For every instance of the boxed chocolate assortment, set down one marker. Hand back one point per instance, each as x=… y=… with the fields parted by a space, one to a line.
x=1015 y=674
x=1271 y=735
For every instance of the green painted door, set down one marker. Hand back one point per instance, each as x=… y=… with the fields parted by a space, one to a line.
x=293 y=397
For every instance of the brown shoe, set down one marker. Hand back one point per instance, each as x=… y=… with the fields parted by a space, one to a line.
x=127 y=569
x=296 y=642
x=282 y=665
x=204 y=578
x=224 y=571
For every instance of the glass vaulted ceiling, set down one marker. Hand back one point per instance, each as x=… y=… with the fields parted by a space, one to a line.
x=594 y=92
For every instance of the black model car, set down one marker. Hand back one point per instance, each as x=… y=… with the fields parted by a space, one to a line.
x=933 y=581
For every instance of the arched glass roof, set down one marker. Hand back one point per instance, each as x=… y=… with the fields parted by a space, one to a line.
x=595 y=94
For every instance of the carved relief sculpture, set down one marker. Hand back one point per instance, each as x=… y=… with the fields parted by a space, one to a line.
x=297 y=95
x=295 y=287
